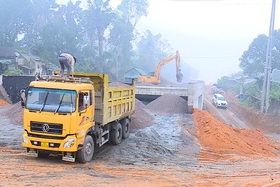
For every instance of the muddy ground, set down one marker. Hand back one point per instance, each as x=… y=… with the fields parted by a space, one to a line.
x=167 y=147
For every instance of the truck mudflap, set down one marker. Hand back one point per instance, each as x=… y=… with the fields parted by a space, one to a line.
x=66 y=156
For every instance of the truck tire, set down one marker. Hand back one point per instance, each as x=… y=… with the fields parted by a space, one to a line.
x=125 y=128
x=43 y=154
x=116 y=134
x=86 y=153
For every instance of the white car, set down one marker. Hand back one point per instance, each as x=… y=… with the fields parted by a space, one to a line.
x=219 y=101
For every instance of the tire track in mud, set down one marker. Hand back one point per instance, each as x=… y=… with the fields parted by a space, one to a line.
x=165 y=142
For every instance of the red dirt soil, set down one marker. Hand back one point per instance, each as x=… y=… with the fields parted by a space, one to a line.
x=217 y=140
x=4 y=103
x=254 y=118
x=216 y=136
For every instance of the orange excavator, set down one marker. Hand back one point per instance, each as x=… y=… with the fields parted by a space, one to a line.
x=155 y=78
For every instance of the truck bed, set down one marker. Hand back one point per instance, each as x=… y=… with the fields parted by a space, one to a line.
x=113 y=101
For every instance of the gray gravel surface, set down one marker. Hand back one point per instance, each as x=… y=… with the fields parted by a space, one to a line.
x=165 y=142
x=10 y=134
x=159 y=134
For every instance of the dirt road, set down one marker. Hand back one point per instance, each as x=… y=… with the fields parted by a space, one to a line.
x=225 y=115
x=168 y=151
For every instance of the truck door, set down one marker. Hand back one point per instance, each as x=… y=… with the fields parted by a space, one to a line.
x=85 y=107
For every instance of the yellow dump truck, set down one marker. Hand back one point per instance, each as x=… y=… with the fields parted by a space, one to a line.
x=74 y=117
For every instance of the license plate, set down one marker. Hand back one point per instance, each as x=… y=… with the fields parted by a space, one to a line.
x=31 y=152
x=44 y=144
x=68 y=156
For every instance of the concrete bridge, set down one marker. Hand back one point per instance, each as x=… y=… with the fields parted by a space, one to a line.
x=193 y=92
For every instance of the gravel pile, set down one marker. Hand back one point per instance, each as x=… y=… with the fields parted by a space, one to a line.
x=165 y=104
x=15 y=113
x=141 y=118
x=168 y=104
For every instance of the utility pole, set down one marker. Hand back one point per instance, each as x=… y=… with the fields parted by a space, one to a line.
x=267 y=68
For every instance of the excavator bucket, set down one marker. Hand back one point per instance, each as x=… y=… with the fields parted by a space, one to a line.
x=179 y=77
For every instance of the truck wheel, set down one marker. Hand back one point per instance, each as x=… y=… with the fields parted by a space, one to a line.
x=116 y=134
x=86 y=153
x=125 y=128
x=43 y=154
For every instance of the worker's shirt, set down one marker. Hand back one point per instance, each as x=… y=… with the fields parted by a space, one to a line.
x=70 y=60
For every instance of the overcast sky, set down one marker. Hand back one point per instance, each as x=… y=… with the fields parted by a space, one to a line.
x=210 y=35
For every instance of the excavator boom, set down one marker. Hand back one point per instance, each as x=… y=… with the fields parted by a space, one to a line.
x=155 y=79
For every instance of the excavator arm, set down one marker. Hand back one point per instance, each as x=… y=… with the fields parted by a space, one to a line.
x=155 y=79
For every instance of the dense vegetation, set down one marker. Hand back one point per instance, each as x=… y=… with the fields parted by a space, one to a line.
x=252 y=62
x=103 y=37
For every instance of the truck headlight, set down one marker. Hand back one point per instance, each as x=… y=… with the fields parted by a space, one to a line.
x=69 y=143
x=24 y=139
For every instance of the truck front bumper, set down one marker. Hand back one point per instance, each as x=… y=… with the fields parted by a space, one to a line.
x=69 y=144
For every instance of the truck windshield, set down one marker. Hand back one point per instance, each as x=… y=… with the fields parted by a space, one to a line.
x=51 y=100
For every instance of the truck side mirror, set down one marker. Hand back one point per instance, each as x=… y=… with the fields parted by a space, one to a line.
x=22 y=98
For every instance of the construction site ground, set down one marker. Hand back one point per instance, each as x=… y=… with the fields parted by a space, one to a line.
x=234 y=147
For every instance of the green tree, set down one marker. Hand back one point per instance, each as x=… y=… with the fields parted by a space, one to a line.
x=132 y=10
x=252 y=61
x=229 y=84
x=70 y=18
x=42 y=13
x=98 y=17
x=64 y=34
x=15 y=16
x=151 y=49
x=121 y=36
x=127 y=15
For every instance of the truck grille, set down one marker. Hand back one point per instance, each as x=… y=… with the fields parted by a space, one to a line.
x=46 y=128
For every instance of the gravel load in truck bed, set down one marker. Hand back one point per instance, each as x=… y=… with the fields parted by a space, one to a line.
x=118 y=84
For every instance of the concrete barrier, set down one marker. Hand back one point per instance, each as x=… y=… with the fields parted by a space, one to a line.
x=193 y=93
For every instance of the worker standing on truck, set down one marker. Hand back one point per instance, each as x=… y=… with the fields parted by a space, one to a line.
x=67 y=60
